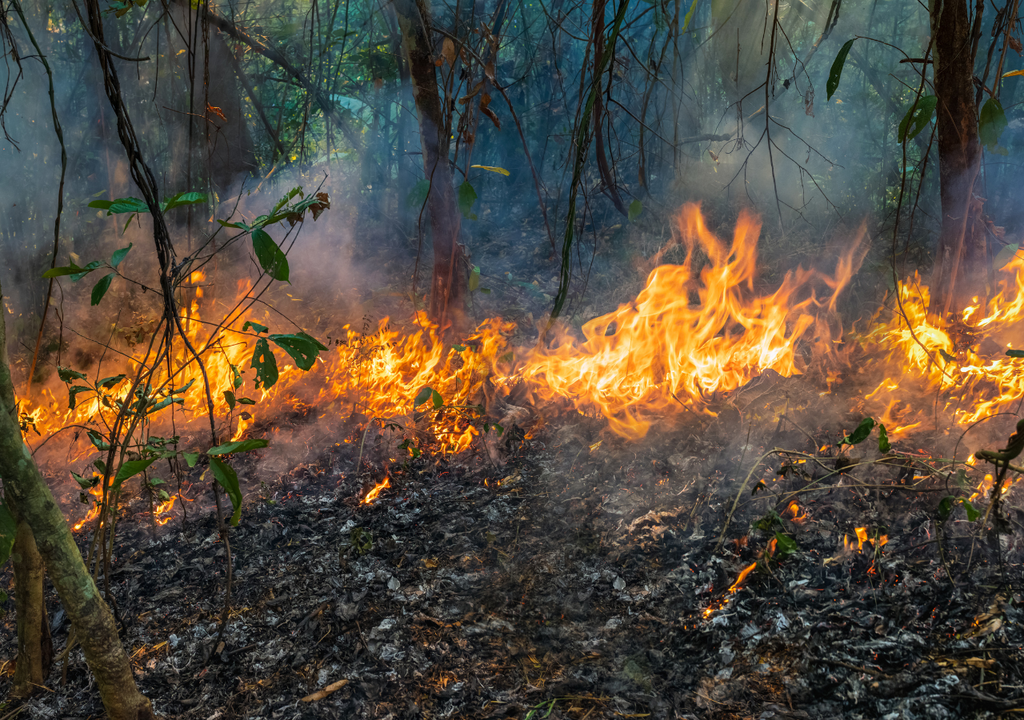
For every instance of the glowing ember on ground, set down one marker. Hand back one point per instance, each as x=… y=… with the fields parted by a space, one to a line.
x=715 y=607
x=376 y=490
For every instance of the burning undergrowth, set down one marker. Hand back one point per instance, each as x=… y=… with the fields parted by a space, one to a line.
x=682 y=514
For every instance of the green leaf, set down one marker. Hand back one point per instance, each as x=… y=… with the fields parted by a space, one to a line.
x=101 y=287
x=474 y=278
x=635 y=208
x=303 y=348
x=246 y=401
x=109 y=382
x=75 y=277
x=919 y=115
x=972 y=512
x=71 y=269
x=67 y=374
x=227 y=478
x=1015 y=353
x=121 y=205
x=238 y=446
x=131 y=468
x=272 y=259
x=73 y=392
x=425 y=394
x=883 y=439
x=265 y=364
x=118 y=255
x=467 y=196
x=837 y=69
x=230 y=397
x=784 y=545
x=991 y=123
x=191 y=458
x=418 y=195
x=860 y=434
x=493 y=169
x=85 y=483
x=183 y=198
x=436 y=398
x=945 y=508
x=258 y=328
x=98 y=440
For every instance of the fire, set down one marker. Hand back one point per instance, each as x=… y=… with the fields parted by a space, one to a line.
x=964 y=361
x=715 y=607
x=375 y=491
x=661 y=353
x=161 y=513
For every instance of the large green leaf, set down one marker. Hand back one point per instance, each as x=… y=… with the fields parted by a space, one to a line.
x=101 y=287
x=227 y=478
x=118 y=255
x=272 y=259
x=131 y=468
x=265 y=365
x=183 y=198
x=303 y=348
x=837 y=69
x=121 y=205
x=860 y=434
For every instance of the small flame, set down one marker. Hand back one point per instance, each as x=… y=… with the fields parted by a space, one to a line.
x=798 y=517
x=162 y=509
x=372 y=495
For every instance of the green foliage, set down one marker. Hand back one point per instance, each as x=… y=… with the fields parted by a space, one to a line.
x=860 y=434
x=467 y=196
x=227 y=478
x=272 y=258
x=265 y=365
x=949 y=503
x=635 y=208
x=837 y=69
x=991 y=123
x=919 y=114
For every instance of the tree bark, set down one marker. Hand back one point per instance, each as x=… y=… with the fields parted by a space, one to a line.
x=960 y=259
x=89 y=614
x=35 y=646
x=450 y=277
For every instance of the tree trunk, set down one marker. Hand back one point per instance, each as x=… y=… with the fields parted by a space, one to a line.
x=89 y=614
x=450 y=277
x=960 y=259
x=35 y=647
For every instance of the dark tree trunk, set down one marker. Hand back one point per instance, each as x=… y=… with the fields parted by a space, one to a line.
x=449 y=278
x=35 y=647
x=959 y=271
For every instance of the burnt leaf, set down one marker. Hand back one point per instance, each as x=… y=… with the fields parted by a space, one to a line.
x=1015 y=353
x=227 y=478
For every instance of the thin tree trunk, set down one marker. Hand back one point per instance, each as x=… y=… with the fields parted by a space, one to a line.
x=35 y=646
x=960 y=258
x=449 y=278
x=89 y=614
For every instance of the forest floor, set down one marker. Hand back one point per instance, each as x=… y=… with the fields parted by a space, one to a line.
x=579 y=578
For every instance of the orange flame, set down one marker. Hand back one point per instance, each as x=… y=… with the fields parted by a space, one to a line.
x=162 y=509
x=660 y=352
x=375 y=491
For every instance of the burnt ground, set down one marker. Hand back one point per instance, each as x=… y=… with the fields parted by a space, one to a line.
x=579 y=578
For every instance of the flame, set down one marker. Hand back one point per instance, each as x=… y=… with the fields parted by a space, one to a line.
x=163 y=509
x=715 y=607
x=660 y=353
x=94 y=508
x=972 y=380
x=798 y=516
x=375 y=491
